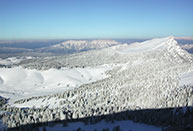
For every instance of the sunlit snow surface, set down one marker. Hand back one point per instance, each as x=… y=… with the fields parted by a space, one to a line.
x=142 y=71
x=186 y=79
x=13 y=60
x=17 y=83
x=145 y=46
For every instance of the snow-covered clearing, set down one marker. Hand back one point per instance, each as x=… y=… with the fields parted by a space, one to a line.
x=13 y=60
x=186 y=79
x=17 y=82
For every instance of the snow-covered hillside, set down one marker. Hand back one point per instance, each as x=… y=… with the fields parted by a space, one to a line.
x=81 y=44
x=12 y=60
x=17 y=83
x=72 y=46
x=147 y=75
x=186 y=79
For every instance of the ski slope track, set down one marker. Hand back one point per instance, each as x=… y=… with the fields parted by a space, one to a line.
x=149 y=75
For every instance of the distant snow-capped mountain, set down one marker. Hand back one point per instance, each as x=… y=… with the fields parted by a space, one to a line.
x=188 y=47
x=72 y=46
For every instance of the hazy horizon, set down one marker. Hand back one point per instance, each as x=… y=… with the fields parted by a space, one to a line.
x=52 y=39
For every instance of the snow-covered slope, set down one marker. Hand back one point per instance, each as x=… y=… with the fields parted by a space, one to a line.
x=12 y=60
x=149 y=45
x=161 y=55
x=153 y=45
x=17 y=83
x=79 y=45
x=186 y=79
x=144 y=75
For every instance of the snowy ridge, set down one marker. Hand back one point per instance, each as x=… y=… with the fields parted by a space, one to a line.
x=84 y=43
x=144 y=76
x=174 y=48
x=80 y=45
x=168 y=44
x=70 y=43
x=150 y=45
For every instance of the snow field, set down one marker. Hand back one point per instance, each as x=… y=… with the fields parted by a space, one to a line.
x=20 y=82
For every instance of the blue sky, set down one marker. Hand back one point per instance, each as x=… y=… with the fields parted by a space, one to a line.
x=76 y=19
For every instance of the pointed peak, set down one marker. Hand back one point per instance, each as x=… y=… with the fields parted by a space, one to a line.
x=153 y=44
x=171 y=37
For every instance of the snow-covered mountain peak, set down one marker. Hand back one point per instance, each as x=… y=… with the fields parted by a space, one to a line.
x=166 y=44
x=105 y=42
x=80 y=45
x=158 y=43
x=71 y=42
x=149 y=45
x=176 y=50
x=101 y=43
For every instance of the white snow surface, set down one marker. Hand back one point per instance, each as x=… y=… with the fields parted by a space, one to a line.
x=10 y=61
x=13 y=60
x=146 y=74
x=19 y=83
x=186 y=79
x=149 y=45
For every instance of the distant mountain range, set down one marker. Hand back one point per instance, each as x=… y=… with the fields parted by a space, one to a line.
x=188 y=47
x=70 y=46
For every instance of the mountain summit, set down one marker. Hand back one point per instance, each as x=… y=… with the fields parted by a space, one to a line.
x=166 y=44
x=153 y=44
